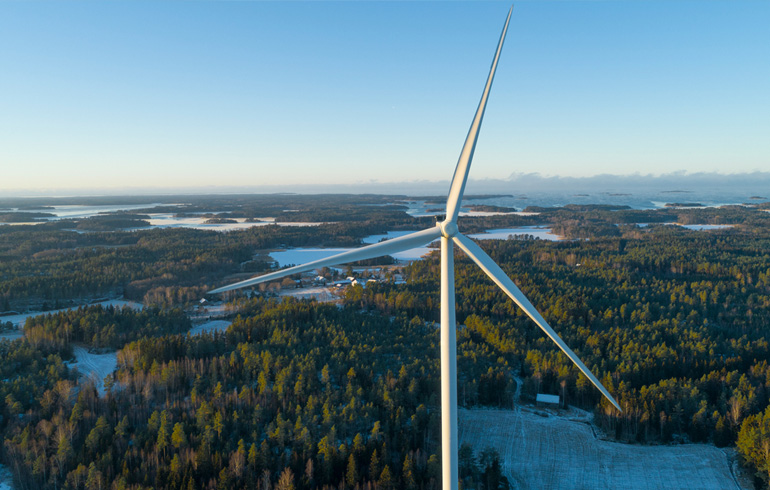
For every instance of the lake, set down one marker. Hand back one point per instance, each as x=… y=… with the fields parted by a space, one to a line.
x=298 y=256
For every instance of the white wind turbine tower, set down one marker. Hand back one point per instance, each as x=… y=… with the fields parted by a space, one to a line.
x=450 y=235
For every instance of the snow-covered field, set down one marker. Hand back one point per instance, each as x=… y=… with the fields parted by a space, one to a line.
x=705 y=227
x=210 y=326
x=12 y=334
x=95 y=366
x=320 y=294
x=541 y=451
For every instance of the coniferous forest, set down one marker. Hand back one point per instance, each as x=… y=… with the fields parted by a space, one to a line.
x=299 y=394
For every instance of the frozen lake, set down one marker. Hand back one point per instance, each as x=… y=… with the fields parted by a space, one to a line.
x=78 y=211
x=302 y=255
x=168 y=220
x=689 y=227
x=420 y=208
x=157 y=220
x=504 y=233
x=387 y=236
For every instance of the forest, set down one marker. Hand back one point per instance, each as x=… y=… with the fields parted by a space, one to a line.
x=297 y=394
x=293 y=395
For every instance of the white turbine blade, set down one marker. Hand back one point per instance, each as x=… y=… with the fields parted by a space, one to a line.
x=460 y=177
x=388 y=247
x=506 y=284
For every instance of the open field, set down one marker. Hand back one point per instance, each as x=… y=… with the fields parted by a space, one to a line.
x=210 y=326
x=95 y=366
x=542 y=451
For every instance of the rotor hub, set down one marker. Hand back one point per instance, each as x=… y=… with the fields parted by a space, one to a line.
x=448 y=228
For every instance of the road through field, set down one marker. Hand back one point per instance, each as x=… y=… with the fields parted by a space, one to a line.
x=542 y=451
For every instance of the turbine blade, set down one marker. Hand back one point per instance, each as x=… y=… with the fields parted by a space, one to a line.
x=460 y=177
x=506 y=284
x=388 y=247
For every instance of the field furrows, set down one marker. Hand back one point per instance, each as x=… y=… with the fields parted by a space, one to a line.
x=541 y=451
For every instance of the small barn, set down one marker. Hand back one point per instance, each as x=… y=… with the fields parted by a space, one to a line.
x=548 y=400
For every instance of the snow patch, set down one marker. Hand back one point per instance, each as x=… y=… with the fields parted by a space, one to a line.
x=95 y=366
x=320 y=294
x=6 y=478
x=210 y=326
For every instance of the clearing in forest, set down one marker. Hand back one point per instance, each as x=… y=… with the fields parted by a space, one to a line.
x=543 y=451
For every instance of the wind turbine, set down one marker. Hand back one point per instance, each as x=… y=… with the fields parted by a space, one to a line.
x=449 y=234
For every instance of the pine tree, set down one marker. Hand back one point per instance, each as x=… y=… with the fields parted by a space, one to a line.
x=162 y=441
x=374 y=466
x=178 y=437
x=385 y=481
x=351 y=475
x=407 y=473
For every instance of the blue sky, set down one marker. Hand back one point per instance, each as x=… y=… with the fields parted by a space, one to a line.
x=113 y=95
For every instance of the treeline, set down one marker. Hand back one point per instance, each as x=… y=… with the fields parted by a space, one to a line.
x=588 y=221
x=102 y=327
x=293 y=395
x=23 y=216
x=171 y=265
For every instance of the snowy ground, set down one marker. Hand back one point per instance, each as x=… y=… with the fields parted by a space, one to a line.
x=95 y=366
x=12 y=334
x=320 y=294
x=212 y=310
x=542 y=451
x=704 y=227
x=210 y=326
x=6 y=479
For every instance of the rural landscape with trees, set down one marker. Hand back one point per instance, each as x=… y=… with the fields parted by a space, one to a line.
x=302 y=394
